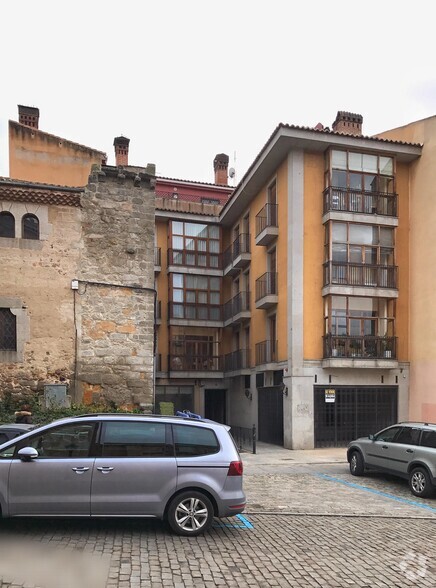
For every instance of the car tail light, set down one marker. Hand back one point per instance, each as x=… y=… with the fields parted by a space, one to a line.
x=235 y=468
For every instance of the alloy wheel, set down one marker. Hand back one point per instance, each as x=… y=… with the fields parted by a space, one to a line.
x=418 y=482
x=191 y=514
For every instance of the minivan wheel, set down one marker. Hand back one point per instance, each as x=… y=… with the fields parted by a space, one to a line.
x=357 y=465
x=420 y=483
x=190 y=513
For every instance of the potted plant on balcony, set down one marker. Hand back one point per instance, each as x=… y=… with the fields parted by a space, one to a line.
x=355 y=348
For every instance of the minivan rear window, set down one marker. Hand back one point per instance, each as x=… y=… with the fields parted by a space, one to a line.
x=133 y=439
x=191 y=441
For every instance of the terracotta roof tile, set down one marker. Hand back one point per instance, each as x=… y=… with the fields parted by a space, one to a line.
x=21 y=191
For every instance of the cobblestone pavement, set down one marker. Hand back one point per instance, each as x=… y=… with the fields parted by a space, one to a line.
x=308 y=524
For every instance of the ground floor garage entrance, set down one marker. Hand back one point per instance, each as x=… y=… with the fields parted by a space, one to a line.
x=344 y=413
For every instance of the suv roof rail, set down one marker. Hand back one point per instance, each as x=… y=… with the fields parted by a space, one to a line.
x=184 y=417
x=416 y=423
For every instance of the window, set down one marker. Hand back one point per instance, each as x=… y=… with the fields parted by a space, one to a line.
x=194 y=352
x=359 y=244
x=62 y=442
x=357 y=316
x=428 y=439
x=7 y=225
x=30 y=227
x=387 y=435
x=196 y=297
x=408 y=436
x=195 y=244
x=133 y=439
x=8 y=330
x=191 y=441
x=361 y=172
x=8 y=452
x=174 y=398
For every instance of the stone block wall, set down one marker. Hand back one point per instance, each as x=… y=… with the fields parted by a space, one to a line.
x=116 y=297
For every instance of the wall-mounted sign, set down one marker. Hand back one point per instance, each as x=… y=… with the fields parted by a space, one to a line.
x=330 y=395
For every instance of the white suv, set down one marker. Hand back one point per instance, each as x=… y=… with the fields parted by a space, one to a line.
x=183 y=470
x=407 y=450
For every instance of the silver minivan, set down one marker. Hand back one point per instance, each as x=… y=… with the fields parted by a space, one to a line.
x=182 y=470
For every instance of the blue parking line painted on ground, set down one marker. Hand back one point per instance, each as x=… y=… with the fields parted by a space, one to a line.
x=374 y=491
x=244 y=524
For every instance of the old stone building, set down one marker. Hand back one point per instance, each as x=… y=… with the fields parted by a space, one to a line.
x=76 y=286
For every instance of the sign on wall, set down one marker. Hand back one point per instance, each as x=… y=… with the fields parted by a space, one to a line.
x=330 y=395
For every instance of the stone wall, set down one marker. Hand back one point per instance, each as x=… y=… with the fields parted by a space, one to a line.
x=35 y=283
x=116 y=297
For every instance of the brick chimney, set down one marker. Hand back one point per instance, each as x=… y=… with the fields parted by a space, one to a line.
x=121 y=145
x=220 y=165
x=28 y=115
x=348 y=123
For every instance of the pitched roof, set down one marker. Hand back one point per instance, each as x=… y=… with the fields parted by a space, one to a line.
x=22 y=191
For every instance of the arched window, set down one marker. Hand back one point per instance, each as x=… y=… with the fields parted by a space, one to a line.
x=7 y=225
x=30 y=229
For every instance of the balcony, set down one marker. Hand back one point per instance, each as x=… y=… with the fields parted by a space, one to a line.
x=179 y=258
x=189 y=314
x=360 y=274
x=266 y=290
x=237 y=309
x=157 y=260
x=361 y=202
x=237 y=361
x=363 y=351
x=267 y=227
x=238 y=255
x=266 y=352
x=203 y=366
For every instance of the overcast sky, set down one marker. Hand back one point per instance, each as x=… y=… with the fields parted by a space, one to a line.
x=187 y=79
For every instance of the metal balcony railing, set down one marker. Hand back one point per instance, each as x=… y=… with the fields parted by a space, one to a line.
x=266 y=285
x=239 y=303
x=360 y=201
x=267 y=217
x=363 y=347
x=195 y=363
x=266 y=352
x=199 y=259
x=360 y=274
x=237 y=360
x=195 y=312
x=239 y=246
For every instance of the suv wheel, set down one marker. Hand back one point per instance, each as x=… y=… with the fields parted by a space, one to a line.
x=420 y=483
x=190 y=513
x=357 y=465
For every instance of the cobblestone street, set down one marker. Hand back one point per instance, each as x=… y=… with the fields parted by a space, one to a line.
x=308 y=523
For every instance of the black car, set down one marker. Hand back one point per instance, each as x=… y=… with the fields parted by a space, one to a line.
x=12 y=430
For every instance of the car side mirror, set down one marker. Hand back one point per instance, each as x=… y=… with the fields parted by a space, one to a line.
x=27 y=454
x=371 y=437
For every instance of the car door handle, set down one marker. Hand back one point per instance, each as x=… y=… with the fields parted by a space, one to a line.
x=409 y=450
x=385 y=447
x=105 y=469
x=80 y=470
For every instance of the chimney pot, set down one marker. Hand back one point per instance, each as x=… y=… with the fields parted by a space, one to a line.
x=28 y=115
x=121 y=145
x=348 y=123
x=220 y=166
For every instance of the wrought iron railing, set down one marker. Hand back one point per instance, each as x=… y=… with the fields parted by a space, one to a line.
x=367 y=346
x=237 y=360
x=359 y=201
x=244 y=437
x=267 y=217
x=266 y=352
x=239 y=303
x=360 y=274
x=266 y=285
x=240 y=245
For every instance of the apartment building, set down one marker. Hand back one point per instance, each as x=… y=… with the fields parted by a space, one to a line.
x=287 y=302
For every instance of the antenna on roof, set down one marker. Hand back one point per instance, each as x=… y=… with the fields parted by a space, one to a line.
x=232 y=170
